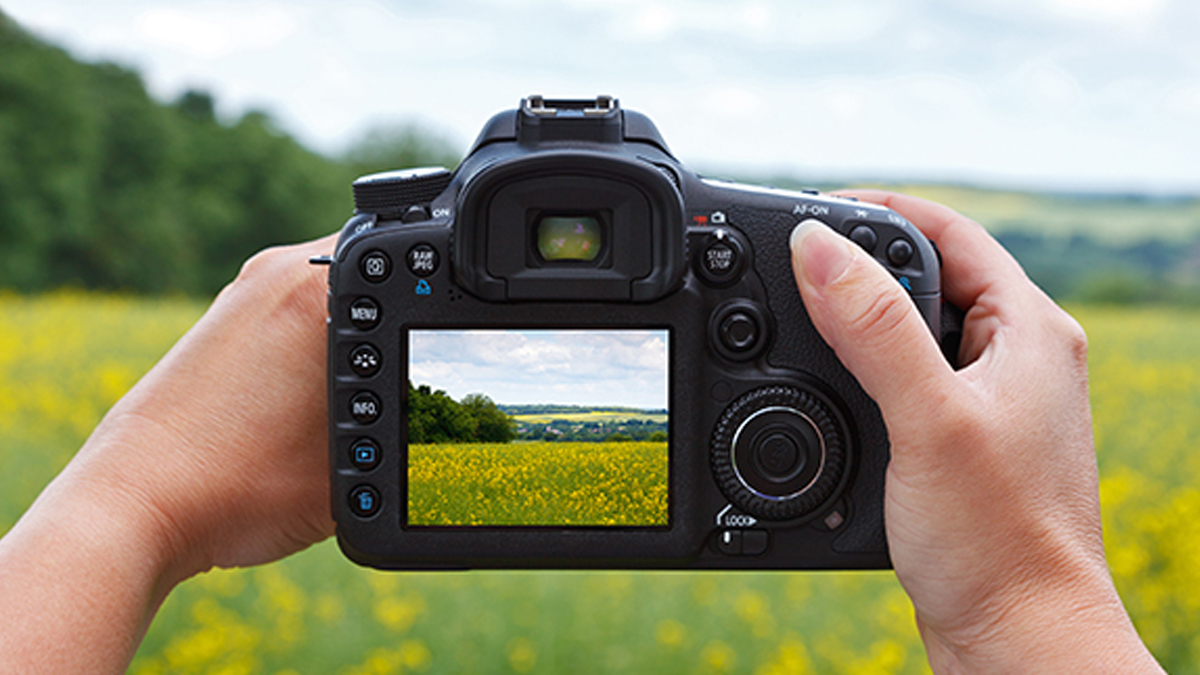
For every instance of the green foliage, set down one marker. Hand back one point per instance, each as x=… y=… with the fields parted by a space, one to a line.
x=392 y=147
x=434 y=417
x=491 y=424
x=103 y=187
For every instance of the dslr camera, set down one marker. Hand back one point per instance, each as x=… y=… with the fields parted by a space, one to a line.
x=574 y=352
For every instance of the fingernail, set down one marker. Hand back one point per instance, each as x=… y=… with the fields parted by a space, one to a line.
x=821 y=254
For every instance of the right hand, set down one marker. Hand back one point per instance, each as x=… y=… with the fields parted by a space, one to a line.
x=992 y=508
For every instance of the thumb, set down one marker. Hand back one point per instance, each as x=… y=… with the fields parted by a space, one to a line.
x=868 y=319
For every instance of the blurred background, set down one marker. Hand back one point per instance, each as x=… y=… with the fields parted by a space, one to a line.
x=148 y=148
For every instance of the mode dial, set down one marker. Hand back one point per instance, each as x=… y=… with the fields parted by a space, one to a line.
x=391 y=193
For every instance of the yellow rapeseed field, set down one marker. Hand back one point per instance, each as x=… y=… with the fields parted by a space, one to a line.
x=66 y=357
x=538 y=483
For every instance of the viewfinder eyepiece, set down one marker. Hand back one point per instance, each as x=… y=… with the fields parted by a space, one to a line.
x=577 y=237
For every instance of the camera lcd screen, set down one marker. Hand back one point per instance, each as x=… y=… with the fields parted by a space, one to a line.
x=540 y=427
x=569 y=237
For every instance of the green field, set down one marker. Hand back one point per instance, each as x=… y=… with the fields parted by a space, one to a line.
x=538 y=483
x=613 y=416
x=65 y=358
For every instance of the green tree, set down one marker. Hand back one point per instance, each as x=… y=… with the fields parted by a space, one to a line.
x=104 y=187
x=400 y=147
x=491 y=424
x=434 y=417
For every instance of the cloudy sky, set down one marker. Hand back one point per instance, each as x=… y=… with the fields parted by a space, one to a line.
x=1060 y=94
x=592 y=368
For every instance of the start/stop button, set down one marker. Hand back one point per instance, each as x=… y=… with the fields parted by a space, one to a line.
x=720 y=258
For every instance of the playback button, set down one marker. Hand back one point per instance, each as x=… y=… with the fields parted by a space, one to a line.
x=364 y=454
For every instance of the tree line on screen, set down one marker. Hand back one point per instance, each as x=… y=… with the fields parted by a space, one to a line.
x=435 y=417
x=102 y=186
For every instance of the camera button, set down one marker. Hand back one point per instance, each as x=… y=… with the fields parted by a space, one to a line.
x=742 y=542
x=739 y=332
x=415 y=214
x=364 y=313
x=721 y=258
x=364 y=501
x=754 y=542
x=375 y=266
x=422 y=260
x=865 y=237
x=899 y=252
x=365 y=360
x=365 y=407
x=364 y=454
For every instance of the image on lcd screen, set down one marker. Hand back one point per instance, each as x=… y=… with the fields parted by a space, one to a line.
x=538 y=428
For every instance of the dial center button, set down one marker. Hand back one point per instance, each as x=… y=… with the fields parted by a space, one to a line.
x=777 y=457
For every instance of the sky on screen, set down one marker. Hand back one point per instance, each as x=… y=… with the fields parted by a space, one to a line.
x=625 y=368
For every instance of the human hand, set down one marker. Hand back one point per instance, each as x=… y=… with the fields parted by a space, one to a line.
x=992 y=507
x=218 y=456
x=224 y=441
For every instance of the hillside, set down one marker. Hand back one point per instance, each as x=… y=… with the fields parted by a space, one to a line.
x=103 y=187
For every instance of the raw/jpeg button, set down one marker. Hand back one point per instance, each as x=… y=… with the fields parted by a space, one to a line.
x=422 y=260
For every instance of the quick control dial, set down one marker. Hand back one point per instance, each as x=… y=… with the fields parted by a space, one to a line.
x=779 y=453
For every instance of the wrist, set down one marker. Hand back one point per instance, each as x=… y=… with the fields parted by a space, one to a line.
x=1077 y=627
x=86 y=565
x=124 y=480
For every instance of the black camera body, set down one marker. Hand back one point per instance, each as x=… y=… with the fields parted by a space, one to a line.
x=574 y=352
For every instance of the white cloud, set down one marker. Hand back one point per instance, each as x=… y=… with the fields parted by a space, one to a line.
x=862 y=88
x=214 y=29
x=606 y=367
